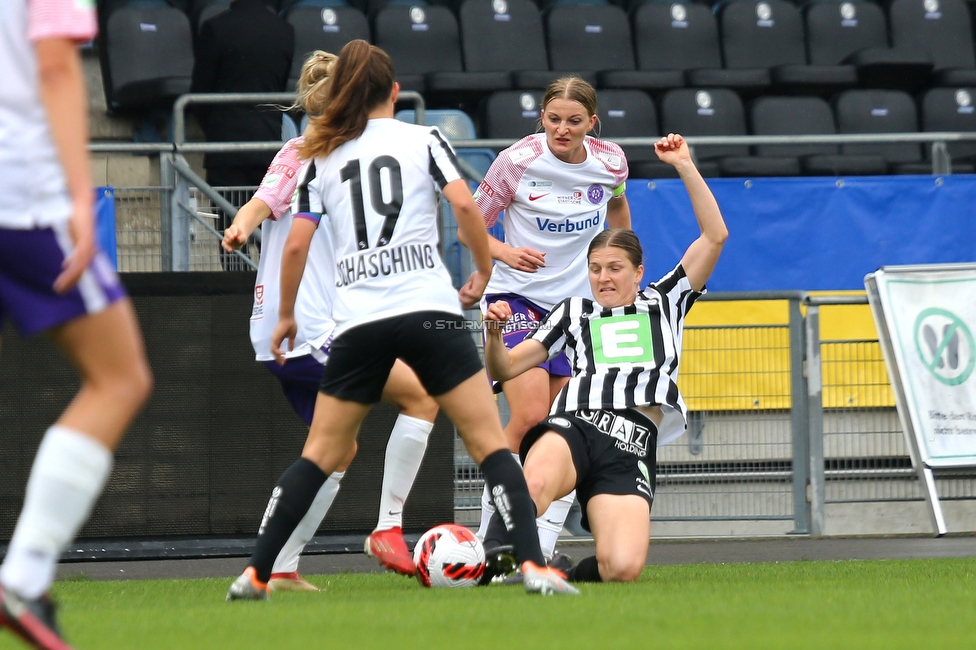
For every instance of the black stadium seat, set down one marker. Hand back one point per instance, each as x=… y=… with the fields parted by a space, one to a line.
x=669 y=39
x=586 y=39
x=631 y=114
x=855 y=33
x=511 y=114
x=426 y=51
x=504 y=35
x=941 y=29
x=952 y=109
x=323 y=28
x=705 y=112
x=881 y=111
x=767 y=37
x=808 y=116
x=708 y=112
x=148 y=58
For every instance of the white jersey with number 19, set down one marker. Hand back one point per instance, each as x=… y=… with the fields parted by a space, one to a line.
x=378 y=194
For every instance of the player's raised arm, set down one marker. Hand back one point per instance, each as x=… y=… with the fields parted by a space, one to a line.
x=700 y=258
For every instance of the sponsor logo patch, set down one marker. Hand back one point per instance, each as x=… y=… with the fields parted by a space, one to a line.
x=575 y=198
x=519 y=155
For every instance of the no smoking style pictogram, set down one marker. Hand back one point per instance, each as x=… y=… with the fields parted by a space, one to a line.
x=945 y=345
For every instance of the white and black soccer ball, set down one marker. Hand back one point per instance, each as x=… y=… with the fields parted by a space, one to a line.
x=449 y=556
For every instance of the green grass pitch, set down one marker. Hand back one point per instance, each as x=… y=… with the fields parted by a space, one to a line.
x=851 y=604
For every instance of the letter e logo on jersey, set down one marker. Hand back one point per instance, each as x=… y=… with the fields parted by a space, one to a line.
x=622 y=339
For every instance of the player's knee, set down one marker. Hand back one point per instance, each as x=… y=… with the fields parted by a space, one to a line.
x=537 y=488
x=526 y=418
x=421 y=406
x=617 y=568
x=350 y=455
x=143 y=381
x=133 y=386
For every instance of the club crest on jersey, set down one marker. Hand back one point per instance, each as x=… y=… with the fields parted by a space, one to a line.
x=257 y=309
x=594 y=194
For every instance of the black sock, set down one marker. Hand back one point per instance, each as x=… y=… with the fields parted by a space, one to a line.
x=586 y=571
x=496 y=535
x=290 y=500
x=513 y=505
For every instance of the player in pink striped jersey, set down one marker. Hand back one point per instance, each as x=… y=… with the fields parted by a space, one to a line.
x=558 y=189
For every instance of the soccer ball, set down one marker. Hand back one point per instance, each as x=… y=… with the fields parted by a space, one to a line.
x=449 y=556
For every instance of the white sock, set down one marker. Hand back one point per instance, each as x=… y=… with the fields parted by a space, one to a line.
x=68 y=475
x=488 y=506
x=404 y=453
x=551 y=523
x=287 y=560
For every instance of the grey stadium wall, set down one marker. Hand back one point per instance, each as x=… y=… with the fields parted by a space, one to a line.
x=201 y=459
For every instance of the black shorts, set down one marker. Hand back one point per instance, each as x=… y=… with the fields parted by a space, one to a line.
x=614 y=452
x=435 y=344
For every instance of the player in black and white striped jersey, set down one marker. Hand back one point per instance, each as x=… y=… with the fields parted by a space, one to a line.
x=372 y=181
x=623 y=399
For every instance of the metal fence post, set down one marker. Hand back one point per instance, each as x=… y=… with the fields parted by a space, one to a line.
x=799 y=422
x=941 y=161
x=167 y=181
x=175 y=224
x=815 y=411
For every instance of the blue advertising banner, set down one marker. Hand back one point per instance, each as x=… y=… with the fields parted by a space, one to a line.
x=811 y=233
x=105 y=222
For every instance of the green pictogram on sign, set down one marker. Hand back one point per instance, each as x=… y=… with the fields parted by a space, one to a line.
x=945 y=345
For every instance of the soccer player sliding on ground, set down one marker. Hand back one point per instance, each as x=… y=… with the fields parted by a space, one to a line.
x=548 y=223
x=622 y=400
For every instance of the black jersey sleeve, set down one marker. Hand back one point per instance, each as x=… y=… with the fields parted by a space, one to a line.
x=443 y=163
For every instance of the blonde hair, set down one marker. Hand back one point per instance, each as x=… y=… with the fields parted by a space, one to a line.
x=313 y=82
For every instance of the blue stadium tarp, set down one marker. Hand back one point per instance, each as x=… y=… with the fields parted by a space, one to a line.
x=811 y=233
